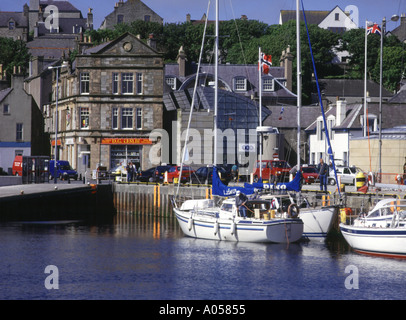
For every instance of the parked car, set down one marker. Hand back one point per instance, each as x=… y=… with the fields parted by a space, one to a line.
x=159 y=173
x=273 y=170
x=347 y=175
x=174 y=172
x=309 y=174
x=64 y=170
x=204 y=175
x=146 y=175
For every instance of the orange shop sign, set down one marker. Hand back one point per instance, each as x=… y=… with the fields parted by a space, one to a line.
x=126 y=141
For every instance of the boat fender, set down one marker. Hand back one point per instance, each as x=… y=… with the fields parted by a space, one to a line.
x=190 y=223
x=216 y=227
x=293 y=210
x=232 y=228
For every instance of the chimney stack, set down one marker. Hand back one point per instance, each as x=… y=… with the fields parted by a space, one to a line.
x=182 y=62
x=286 y=61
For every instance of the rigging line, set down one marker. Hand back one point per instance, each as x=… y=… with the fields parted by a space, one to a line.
x=330 y=149
x=193 y=101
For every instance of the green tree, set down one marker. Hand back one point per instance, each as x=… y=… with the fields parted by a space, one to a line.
x=13 y=53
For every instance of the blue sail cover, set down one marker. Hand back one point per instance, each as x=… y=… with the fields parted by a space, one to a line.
x=220 y=189
x=293 y=185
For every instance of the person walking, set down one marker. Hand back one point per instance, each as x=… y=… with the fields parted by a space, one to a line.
x=322 y=169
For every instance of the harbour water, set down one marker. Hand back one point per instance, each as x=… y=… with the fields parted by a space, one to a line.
x=144 y=257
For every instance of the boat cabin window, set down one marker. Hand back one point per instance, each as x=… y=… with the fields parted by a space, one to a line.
x=227 y=207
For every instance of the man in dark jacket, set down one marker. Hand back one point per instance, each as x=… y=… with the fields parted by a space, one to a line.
x=322 y=169
x=240 y=201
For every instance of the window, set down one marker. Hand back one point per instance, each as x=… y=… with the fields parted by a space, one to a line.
x=320 y=133
x=84 y=82
x=6 y=109
x=171 y=81
x=139 y=118
x=147 y=18
x=11 y=25
x=19 y=132
x=84 y=118
x=114 y=123
x=330 y=125
x=127 y=118
x=120 y=18
x=127 y=83
x=240 y=84
x=337 y=17
x=268 y=84
x=115 y=83
x=139 y=83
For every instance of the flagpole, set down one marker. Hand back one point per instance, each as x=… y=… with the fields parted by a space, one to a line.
x=260 y=110
x=365 y=79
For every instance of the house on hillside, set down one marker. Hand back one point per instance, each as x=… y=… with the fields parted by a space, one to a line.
x=335 y=20
x=129 y=11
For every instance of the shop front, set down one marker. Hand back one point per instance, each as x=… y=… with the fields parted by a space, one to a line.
x=125 y=150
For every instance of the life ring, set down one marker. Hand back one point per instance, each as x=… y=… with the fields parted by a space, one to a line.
x=293 y=210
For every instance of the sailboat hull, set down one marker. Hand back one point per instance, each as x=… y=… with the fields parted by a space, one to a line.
x=318 y=222
x=243 y=230
x=387 y=242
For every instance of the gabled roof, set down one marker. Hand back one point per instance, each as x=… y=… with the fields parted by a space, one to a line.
x=4 y=93
x=104 y=47
x=392 y=115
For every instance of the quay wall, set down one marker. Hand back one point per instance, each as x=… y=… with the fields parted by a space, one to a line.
x=79 y=203
x=155 y=198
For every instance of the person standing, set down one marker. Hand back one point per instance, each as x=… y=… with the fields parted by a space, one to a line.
x=240 y=201
x=322 y=169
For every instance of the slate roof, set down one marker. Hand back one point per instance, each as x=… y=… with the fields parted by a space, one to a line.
x=392 y=115
x=18 y=17
x=52 y=46
x=289 y=116
x=63 y=6
x=4 y=93
x=312 y=16
x=227 y=74
x=350 y=88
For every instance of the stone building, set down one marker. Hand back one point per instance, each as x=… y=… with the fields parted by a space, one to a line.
x=110 y=99
x=129 y=11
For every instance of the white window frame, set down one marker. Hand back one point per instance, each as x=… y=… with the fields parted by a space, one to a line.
x=84 y=115
x=127 y=113
x=240 y=84
x=127 y=83
x=268 y=84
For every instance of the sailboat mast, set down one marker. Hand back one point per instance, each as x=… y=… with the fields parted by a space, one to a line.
x=299 y=80
x=216 y=58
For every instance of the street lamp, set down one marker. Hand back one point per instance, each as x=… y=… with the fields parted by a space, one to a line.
x=65 y=64
x=394 y=18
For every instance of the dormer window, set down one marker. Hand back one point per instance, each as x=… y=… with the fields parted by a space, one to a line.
x=11 y=25
x=171 y=81
x=240 y=84
x=268 y=84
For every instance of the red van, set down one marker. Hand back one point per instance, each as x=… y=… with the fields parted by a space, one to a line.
x=273 y=170
x=18 y=166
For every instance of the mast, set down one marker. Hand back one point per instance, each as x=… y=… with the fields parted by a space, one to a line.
x=260 y=111
x=216 y=58
x=299 y=80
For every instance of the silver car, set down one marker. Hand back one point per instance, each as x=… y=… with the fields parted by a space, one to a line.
x=346 y=173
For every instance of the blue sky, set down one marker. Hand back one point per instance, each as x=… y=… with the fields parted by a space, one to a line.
x=263 y=10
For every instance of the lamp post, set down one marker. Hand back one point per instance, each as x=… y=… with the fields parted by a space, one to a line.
x=394 y=18
x=64 y=65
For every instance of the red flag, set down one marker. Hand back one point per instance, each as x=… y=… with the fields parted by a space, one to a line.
x=374 y=29
x=266 y=62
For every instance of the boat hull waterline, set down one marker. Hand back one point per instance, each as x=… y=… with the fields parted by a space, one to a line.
x=385 y=242
x=243 y=230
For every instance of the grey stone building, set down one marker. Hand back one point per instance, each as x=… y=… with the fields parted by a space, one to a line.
x=129 y=11
x=109 y=101
x=21 y=124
